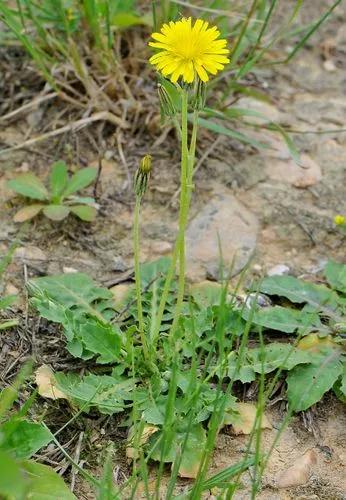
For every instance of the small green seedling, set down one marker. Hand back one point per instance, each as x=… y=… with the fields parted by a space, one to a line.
x=20 y=438
x=60 y=200
x=6 y=301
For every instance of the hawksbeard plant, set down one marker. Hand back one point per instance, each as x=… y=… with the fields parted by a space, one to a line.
x=187 y=54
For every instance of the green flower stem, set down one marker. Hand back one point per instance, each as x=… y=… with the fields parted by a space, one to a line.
x=192 y=150
x=187 y=164
x=138 y=277
x=172 y=267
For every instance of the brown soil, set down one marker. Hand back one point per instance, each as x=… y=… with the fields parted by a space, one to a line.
x=296 y=223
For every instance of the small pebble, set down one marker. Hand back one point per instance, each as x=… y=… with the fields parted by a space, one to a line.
x=11 y=289
x=329 y=65
x=161 y=247
x=24 y=167
x=278 y=270
x=317 y=268
x=69 y=269
x=119 y=265
x=261 y=300
x=109 y=154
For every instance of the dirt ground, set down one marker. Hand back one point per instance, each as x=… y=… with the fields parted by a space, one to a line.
x=294 y=206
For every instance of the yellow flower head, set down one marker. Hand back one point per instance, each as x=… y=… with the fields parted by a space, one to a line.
x=339 y=220
x=188 y=51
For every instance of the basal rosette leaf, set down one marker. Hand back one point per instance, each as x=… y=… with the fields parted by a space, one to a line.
x=190 y=455
x=335 y=273
x=27 y=213
x=83 y=309
x=283 y=319
x=56 y=212
x=300 y=292
x=29 y=185
x=306 y=384
x=74 y=291
x=106 y=393
x=22 y=438
x=84 y=212
x=13 y=483
x=276 y=355
x=58 y=179
x=45 y=483
x=81 y=179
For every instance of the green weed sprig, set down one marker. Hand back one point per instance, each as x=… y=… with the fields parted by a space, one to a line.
x=60 y=200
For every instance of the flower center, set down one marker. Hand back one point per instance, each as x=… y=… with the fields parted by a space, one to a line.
x=188 y=53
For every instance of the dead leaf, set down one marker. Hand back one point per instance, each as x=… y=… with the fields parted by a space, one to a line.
x=314 y=343
x=299 y=472
x=148 y=430
x=30 y=253
x=11 y=289
x=243 y=422
x=46 y=383
x=122 y=293
x=27 y=213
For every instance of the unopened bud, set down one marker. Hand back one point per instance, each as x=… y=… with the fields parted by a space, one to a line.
x=166 y=103
x=142 y=176
x=200 y=95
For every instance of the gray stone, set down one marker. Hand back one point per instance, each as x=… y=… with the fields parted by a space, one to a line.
x=265 y=112
x=223 y=221
x=306 y=174
x=30 y=253
x=245 y=174
x=250 y=171
x=278 y=270
x=320 y=112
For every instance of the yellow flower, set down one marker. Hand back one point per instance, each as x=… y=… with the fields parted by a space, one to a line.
x=188 y=51
x=339 y=220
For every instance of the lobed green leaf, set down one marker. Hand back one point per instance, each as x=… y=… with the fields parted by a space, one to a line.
x=335 y=273
x=299 y=291
x=56 y=212
x=29 y=185
x=307 y=384
x=22 y=438
x=58 y=179
x=80 y=180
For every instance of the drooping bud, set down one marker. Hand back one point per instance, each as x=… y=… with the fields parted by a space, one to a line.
x=166 y=104
x=200 y=95
x=142 y=176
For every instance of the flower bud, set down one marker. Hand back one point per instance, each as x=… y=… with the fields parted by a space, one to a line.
x=142 y=176
x=166 y=103
x=200 y=95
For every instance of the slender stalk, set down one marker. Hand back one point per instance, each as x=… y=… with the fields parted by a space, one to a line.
x=136 y=241
x=177 y=247
x=187 y=165
x=82 y=472
x=192 y=150
x=164 y=296
x=184 y=209
x=169 y=424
